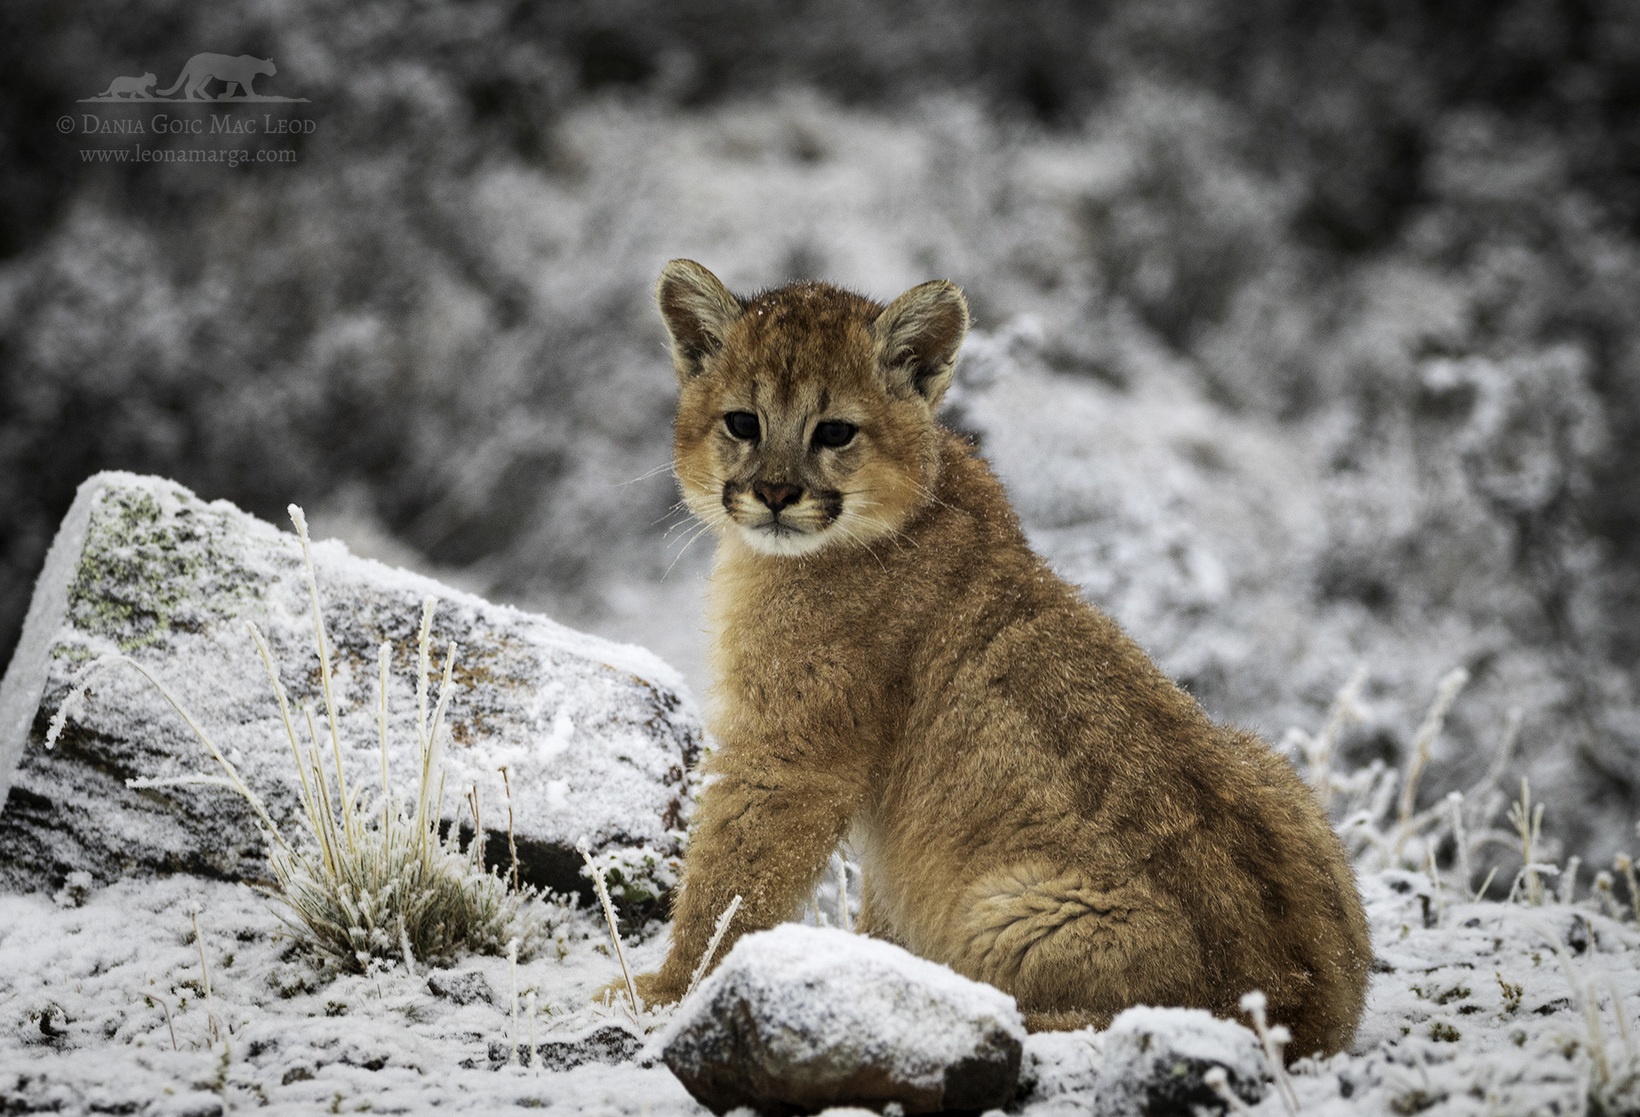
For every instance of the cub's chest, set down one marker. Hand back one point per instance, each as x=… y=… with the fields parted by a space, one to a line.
x=780 y=627
x=756 y=627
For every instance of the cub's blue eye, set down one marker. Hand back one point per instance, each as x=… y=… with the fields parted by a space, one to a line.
x=741 y=424
x=834 y=433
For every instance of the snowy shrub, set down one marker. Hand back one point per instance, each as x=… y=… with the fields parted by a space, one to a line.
x=1375 y=810
x=367 y=882
x=1182 y=223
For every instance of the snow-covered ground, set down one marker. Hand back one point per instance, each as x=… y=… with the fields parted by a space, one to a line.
x=102 y=1009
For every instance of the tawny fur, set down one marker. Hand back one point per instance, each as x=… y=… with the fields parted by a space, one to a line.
x=1035 y=803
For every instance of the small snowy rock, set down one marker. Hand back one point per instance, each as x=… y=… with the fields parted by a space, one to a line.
x=1060 y=1071
x=799 y=1018
x=460 y=988
x=1156 y=1060
x=610 y=1045
x=596 y=737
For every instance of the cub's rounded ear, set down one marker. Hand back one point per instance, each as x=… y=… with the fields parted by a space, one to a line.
x=698 y=311
x=918 y=337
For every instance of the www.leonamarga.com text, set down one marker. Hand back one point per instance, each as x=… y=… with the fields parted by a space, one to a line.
x=232 y=156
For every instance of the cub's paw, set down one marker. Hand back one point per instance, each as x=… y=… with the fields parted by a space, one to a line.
x=659 y=989
x=653 y=989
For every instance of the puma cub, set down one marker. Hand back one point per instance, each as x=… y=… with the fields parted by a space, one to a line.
x=1036 y=805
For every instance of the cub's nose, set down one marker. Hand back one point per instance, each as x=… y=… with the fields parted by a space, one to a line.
x=777 y=496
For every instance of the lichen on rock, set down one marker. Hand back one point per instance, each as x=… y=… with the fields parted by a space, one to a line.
x=150 y=561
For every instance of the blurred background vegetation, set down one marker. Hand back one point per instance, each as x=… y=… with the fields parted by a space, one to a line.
x=1401 y=237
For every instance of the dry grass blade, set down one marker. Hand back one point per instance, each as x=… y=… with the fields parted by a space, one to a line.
x=718 y=932
x=1423 y=743
x=614 y=935
x=1274 y=1040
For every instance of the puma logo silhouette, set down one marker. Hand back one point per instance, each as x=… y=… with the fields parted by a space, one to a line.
x=131 y=87
x=232 y=71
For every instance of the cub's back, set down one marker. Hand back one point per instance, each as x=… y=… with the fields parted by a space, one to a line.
x=1041 y=726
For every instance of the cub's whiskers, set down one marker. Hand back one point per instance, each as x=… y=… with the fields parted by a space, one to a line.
x=664 y=467
x=707 y=524
x=838 y=524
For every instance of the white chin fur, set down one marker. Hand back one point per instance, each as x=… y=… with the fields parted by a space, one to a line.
x=788 y=543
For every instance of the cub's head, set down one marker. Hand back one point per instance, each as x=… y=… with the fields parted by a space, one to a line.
x=806 y=414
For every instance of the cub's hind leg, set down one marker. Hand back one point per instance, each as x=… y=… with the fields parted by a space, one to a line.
x=1074 y=954
x=871 y=920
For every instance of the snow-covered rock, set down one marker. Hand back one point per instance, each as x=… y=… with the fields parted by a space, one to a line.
x=803 y=1017
x=611 y=1044
x=1156 y=1060
x=1150 y=1060
x=1059 y=1070
x=596 y=738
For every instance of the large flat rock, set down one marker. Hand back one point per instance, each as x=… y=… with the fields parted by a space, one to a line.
x=597 y=737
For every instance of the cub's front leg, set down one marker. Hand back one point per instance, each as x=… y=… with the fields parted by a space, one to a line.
x=768 y=819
